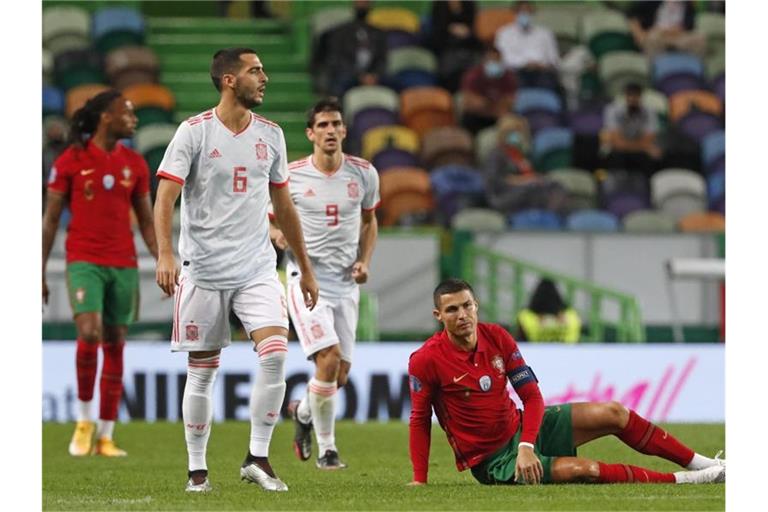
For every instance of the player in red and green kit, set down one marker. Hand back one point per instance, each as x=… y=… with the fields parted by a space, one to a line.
x=462 y=373
x=100 y=180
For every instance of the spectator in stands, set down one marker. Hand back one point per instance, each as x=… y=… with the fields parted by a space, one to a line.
x=453 y=39
x=531 y=50
x=511 y=181
x=658 y=26
x=628 y=139
x=548 y=317
x=351 y=54
x=487 y=92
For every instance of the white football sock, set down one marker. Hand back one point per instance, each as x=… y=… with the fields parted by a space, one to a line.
x=197 y=408
x=84 y=410
x=105 y=429
x=267 y=393
x=700 y=462
x=303 y=411
x=322 y=402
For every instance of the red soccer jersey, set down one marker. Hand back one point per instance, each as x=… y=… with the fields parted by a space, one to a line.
x=101 y=186
x=468 y=391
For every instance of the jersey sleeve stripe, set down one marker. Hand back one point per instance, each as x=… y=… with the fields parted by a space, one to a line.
x=169 y=176
x=264 y=120
x=372 y=207
x=279 y=185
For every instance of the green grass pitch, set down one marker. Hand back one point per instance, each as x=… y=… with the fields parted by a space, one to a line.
x=153 y=476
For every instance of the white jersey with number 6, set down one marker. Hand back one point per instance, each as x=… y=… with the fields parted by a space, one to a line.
x=329 y=207
x=224 y=241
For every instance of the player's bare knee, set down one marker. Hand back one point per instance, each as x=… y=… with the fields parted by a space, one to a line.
x=617 y=414
x=91 y=334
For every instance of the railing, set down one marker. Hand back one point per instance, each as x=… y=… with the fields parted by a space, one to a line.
x=494 y=281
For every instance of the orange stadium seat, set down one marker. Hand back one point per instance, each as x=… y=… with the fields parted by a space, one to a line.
x=150 y=95
x=404 y=190
x=682 y=102
x=447 y=145
x=703 y=222
x=488 y=21
x=77 y=96
x=425 y=108
x=405 y=204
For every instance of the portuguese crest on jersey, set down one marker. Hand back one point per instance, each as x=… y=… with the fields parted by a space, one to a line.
x=498 y=363
x=261 y=151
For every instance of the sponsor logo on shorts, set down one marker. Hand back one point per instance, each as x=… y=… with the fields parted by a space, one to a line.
x=192 y=332
x=317 y=331
x=485 y=383
x=261 y=151
x=80 y=295
x=353 y=190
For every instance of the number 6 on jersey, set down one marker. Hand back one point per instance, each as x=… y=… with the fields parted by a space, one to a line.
x=239 y=179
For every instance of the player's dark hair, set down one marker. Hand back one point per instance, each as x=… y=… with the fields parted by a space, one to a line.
x=85 y=120
x=633 y=88
x=450 y=285
x=331 y=104
x=226 y=61
x=546 y=299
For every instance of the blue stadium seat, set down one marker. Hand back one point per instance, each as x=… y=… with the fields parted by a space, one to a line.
x=394 y=157
x=535 y=220
x=715 y=188
x=712 y=148
x=592 y=220
x=455 y=187
x=669 y=64
x=552 y=149
x=53 y=101
x=113 y=27
x=537 y=99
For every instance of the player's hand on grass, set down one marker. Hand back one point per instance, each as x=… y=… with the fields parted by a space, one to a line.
x=360 y=272
x=528 y=467
x=309 y=289
x=167 y=273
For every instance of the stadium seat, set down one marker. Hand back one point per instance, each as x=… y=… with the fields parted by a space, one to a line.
x=47 y=67
x=151 y=141
x=715 y=66
x=366 y=96
x=682 y=102
x=592 y=220
x=382 y=137
x=712 y=25
x=649 y=221
x=479 y=220
x=619 y=68
x=131 y=65
x=411 y=66
x=606 y=31
x=326 y=19
x=425 y=108
x=713 y=148
x=587 y=120
x=447 y=145
x=76 y=67
x=715 y=189
x=407 y=209
x=552 y=149
x=541 y=120
x=580 y=185
x=65 y=28
x=565 y=25
x=399 y=39
x=618 y=182
x=368 y=118
x=455 y=187
x=702 y=222
x=678 y=192
x=675 y=72
x=394 y=157
x=489 y=20
x=153 y=103
x=485 y=140
x=114 y=27
x=404 y=191
x=718 y=87
x=537 y=99
x=535 y=220
x=77 y=96
x=622 y=204
x=53 y=101
x=393 y=18
x=696 y=124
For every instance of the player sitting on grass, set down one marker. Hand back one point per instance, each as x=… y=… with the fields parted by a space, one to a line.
x=462 y=373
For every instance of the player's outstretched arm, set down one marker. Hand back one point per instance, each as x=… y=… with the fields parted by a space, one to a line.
x=142 y=205
x=167 y=273
x=369 y=231
x=54 y=205
x=288 y=220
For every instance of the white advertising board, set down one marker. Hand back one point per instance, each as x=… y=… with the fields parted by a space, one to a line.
x=674 y=383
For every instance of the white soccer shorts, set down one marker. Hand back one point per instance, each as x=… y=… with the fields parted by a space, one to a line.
x=332 y=321
x=201 y=316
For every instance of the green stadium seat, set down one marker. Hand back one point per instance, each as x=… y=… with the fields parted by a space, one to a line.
x=619 y=68
x=410 y=58
x=479 y=220
x=712 y=25
x=679 y=192
x=485 y=140
x=65 y=28
x=365 y=96
x=649 y=221
x=580 y=184
x=605 y=32
x=563 y=23
x=47 y=67
x=327 y=19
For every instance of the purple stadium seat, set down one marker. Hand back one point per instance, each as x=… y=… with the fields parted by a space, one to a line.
x=394 y=157
x=682 y=82
x=587 y=121
x=370 y=118
x=697 y=124
x=540 y=119
x=718 y=87
x=622 y=204
x=399 y=39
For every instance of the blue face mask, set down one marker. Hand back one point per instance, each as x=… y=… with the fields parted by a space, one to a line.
x=493 y=69
x=514 y=139
x=523 y=19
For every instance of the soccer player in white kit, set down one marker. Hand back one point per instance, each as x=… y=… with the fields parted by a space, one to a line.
x=226 y=163
x=336 y=196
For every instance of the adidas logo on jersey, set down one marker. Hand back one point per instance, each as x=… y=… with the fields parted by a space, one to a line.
x=309 y=193
x=214 y=154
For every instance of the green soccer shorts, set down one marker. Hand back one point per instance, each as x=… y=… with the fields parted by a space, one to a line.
x=555 y=440
x=111 y=291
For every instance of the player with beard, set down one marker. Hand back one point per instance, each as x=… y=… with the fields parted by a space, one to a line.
x=226 y=163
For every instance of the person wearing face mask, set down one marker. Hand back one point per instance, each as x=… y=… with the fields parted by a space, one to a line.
x=488 y=92
x=529 y=49
x=629 y=135
x=512 y=183
x=354 y=53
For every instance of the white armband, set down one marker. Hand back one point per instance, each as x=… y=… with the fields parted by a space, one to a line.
x=529 y=445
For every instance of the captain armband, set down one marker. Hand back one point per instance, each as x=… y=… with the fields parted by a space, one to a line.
x=521 y=376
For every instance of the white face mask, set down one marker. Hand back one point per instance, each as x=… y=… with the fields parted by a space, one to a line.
x=493 y=69
x=523 y=19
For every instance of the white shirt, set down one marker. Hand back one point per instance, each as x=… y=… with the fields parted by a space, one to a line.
x=224 y=242
x=330 y=209
x=519 y=47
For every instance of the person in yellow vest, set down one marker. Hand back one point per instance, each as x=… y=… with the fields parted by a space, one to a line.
x=548 y=317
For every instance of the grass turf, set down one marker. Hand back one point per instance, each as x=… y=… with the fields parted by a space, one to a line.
x=153 y=476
